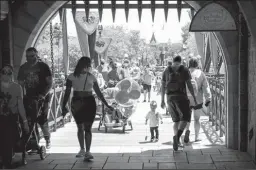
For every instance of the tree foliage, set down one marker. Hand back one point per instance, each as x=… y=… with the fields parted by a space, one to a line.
x=189 y=42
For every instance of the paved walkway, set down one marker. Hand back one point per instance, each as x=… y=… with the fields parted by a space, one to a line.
x=116 y=150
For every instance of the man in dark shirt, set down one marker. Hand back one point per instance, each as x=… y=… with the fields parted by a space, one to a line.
x=36 y=79
x=113 y=76
x=177 y=100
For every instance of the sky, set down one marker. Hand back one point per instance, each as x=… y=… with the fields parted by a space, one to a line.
x=163 y=31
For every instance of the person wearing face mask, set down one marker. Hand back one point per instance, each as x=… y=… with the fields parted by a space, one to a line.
x=147 y=83
x=36 y=79
x=125 y=72
x=83 y=104
x=113 y=76
x=101 y=66
x=11 y=109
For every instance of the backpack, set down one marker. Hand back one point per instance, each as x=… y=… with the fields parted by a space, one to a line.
x=194 y=84
x=175 y=81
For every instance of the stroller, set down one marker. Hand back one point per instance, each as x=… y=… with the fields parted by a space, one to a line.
x=116 y=118
x=30 y=142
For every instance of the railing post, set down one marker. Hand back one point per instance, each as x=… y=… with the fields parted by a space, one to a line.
x=211 y=104
x=221 y=110
x=54 y=110
x=61 y=100
x=218 y=102
x=214 y=103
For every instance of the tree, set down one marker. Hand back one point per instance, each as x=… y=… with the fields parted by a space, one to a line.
x=189 y=42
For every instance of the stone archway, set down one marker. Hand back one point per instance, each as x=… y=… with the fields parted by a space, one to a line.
x=29 y=21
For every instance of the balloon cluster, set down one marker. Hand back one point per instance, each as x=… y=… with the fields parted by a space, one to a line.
x=127 y=96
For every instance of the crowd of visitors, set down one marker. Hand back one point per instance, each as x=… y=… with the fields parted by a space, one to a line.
x=185 y=87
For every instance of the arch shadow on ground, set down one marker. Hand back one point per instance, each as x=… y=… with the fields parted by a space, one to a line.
x=209 y=158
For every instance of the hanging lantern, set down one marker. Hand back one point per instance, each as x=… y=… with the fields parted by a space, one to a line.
x=100 y=28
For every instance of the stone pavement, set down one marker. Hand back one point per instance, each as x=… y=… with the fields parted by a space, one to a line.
x=129 y=150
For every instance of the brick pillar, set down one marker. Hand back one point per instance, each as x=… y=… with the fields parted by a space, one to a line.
x=243 y=84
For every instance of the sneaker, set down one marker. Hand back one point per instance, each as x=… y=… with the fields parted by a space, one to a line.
x=81 y=153
x=175 y=143
x=156 y=140
x=186 y=138
x=152 y=140
x=144 y=101
x=48 y=144
x=88 y=156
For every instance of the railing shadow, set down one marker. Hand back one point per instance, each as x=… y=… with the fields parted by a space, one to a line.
x=211 y=133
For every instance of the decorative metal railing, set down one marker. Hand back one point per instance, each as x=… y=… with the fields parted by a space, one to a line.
x=217 y=109
x=54 y=112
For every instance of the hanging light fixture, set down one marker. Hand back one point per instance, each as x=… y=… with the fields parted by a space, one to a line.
x=100 y=28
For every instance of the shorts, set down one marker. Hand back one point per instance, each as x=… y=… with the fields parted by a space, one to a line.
x=179 y=110
x=147 y=87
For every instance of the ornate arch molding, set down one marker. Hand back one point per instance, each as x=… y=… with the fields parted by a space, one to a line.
x=248 y=9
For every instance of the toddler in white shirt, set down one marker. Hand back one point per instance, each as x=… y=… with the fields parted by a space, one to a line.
x=154 y=117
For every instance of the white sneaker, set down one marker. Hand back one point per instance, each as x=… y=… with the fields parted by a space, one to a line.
x=88 y=156
x=81 y=153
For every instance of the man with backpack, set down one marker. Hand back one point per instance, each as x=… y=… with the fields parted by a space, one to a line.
x=202 y=92
x=174 y=81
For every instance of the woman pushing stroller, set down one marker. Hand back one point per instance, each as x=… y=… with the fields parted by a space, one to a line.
x=11 y=110
x=83 y=105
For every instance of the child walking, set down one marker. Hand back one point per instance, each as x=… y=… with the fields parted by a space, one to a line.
x=154 y=118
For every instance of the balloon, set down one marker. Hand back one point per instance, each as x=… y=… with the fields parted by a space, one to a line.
x=126 y=94
x=124 y=84
x=134 y=94
x=122 y=97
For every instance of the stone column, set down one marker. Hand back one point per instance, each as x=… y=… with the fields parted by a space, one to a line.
x=243 y=84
